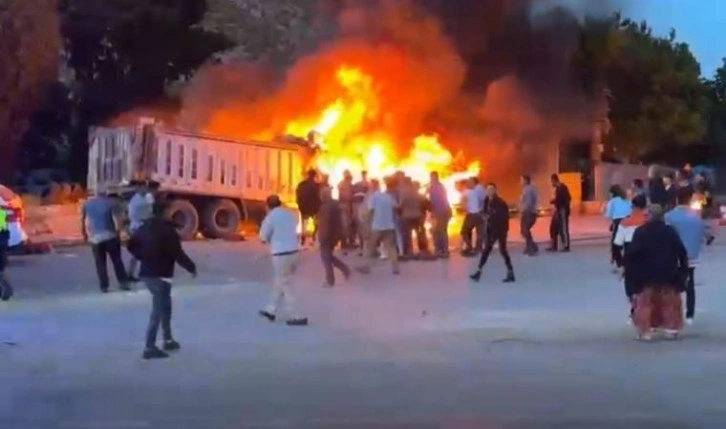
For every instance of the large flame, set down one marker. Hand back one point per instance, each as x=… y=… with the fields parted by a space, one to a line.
x=347 y=142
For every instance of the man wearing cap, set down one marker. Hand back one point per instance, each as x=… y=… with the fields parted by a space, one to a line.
x=99 y=227
x=6 y=290
x=279 y=231
x=140 y=209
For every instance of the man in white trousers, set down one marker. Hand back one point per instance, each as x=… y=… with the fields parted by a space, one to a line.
x=279 y=231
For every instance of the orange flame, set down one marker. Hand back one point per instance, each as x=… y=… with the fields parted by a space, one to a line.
x=349 y=144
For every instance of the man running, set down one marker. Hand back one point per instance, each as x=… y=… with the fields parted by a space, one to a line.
x=497 y=213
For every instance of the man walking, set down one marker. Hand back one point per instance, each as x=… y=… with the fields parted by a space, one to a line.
x=528 y=215
x=441 y=215
x=330 y=232
x=473 y=222
x=279 y=230
x=6 y=290
x=692 y=230
x=498 y=229
x=99 y=227
x=158 y=247
x=560 y=223
x=383 y=206
x=140 y=209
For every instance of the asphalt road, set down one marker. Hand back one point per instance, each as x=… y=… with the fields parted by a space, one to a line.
x=427 y=349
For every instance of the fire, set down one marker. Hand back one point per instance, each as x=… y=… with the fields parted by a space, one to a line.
x=354 y=138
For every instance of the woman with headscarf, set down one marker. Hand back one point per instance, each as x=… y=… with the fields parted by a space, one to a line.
x=658 y=262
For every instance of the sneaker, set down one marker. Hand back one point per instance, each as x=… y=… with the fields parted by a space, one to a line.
x=646 y=337
x=670 y=334
x=301 y=321
x=267 y=315
x=6 y=292
x=476 y=275
x=171 y=346
x=689 y=321
x=125 y=287
x=154 y=353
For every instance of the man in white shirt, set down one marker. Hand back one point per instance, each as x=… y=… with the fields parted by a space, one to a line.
x=473 y=222
x=382 y=207
x=279 y=230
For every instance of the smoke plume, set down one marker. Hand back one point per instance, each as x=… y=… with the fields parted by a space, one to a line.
x=491 y=77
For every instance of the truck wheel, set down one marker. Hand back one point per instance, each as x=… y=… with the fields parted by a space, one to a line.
x=185 y=216
x=221 y=219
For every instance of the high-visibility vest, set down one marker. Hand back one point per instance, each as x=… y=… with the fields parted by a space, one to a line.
x=4 y=218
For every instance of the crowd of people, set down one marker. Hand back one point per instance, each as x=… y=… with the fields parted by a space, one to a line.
x=657 y=238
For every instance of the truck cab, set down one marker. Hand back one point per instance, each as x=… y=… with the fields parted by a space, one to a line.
x=212 y=184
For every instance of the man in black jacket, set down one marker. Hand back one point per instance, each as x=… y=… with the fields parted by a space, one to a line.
x=560 y=223
x=307 y=196
x=157 y=245
x=497 y=214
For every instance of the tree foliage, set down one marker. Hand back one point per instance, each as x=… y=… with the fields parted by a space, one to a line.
x=124 y=53
x=657 y=97
x=29 y=46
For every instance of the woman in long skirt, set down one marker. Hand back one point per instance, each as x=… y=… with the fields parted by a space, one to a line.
x=658 y=262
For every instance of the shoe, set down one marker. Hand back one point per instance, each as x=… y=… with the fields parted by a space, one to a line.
x=509 y=279
x=670 y=334
x=551 y=249
x=396 y=272
x=154 y=353
x=565 y=250
x=302 y=321
x=327 y=285
x=125 y=287
x=533 y=253
x=475 y=276
x=710 y=240
x=347 y=274
x=104 y=290
x=646 y=337
x=7 y=292
x=689 y=321
x=171 y=346
x=267 y=315
x=133 y=279
x=363 y=270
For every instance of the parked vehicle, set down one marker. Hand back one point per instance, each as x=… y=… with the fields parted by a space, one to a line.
x=13 y=204
x=212 y=184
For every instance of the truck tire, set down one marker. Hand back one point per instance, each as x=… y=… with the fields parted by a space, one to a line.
x=221 y=219
x=185 y=216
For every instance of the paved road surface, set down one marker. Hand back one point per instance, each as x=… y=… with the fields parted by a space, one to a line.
x=427 y=349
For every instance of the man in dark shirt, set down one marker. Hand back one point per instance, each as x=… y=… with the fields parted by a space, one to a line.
x=560 y=223
x=308 y=202
x=330 y=232
x=497 y=213
x=158 y=246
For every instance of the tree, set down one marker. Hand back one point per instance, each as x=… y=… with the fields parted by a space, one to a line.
x=658 y=100
x=29 y=47
x=124 y=53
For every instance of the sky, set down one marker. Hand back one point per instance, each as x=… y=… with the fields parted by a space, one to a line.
x=700 y=23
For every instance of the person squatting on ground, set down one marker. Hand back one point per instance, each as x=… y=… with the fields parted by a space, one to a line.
x=497 y=230
x=99 y=227
x=528 y=202
x=560 y=223
x=330 y=233
x=279 y=230
x=157 y=245
x=616 y=209
x=383 y=207
x=140 y=209
x=692 y=231
x=413 y=215
x=440 y=215
x=621 y=241
x=307 y=195
x=6 y=289
x=658 y=262
x=473 y=197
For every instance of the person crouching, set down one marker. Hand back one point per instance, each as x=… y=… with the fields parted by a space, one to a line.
x=279 y=230
x=156 y=244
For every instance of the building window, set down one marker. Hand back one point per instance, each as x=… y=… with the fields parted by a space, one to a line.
x=233 y=175
x=195 y=155
x=210 y=168
x=167 y=158
x=222 y=172
x=180 y=167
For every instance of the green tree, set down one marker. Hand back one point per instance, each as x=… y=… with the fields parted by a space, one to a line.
x=717 y=108
x=29 y=47
x=658 y=99
x=124 y=53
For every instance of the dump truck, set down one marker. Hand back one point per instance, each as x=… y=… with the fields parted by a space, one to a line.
x=211 y=184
